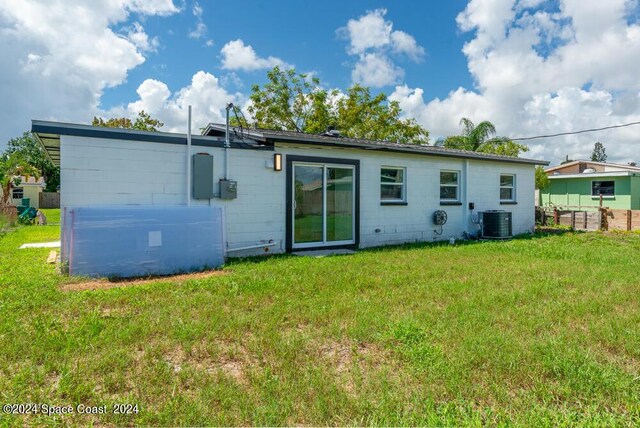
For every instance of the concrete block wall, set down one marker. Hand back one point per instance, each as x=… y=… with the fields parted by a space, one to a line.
x=97 y=171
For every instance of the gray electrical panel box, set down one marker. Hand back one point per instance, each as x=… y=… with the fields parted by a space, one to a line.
x=202 y=176
x=228 y=189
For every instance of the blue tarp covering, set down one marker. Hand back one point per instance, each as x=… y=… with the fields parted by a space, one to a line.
x=126 y=241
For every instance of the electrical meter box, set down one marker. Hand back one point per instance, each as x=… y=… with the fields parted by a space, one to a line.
x=202 y=176
x=228 y=189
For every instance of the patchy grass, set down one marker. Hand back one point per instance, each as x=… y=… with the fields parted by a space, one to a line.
x=538 y=331
x=53 y=215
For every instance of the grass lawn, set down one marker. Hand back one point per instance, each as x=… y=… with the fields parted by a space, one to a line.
x=539 y=331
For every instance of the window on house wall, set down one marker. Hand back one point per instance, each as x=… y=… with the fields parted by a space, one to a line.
x=507 y=187
x=17 y=193
x=393 y=184
x=450 y=186
x=604 y=188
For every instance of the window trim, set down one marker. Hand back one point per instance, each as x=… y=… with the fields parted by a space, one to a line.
x=21 y=189
x=512 y=187
x=403 y=187
x=452 y=201
x=603 y=196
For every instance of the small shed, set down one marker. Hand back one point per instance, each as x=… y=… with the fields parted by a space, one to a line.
x=27 y=187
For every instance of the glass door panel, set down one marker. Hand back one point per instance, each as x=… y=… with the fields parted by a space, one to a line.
x=308 y=204
x=339 y=204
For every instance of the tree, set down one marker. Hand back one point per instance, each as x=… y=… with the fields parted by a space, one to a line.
x=296 y=102
x=144 y=122
x=542 y=179
x=12 y=167
x=599 y=153
x=361 y=115
x=32 y=153
x=480 y=138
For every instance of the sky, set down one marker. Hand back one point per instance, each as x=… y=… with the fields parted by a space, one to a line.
x=531 y=67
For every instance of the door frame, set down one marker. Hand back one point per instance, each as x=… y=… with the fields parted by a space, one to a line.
x=289 y=160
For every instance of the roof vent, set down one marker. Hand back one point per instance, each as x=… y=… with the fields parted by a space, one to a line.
x=332 y=132
x=588 y=171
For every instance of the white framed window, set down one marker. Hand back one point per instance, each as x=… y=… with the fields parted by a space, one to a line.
x=450 y=186
x=393 y=184
x=17 y=193
x=605 y=188
x=507 y=187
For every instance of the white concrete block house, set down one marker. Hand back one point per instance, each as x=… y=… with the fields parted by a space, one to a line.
x=329 y=192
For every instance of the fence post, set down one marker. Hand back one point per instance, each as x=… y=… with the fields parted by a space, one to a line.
x=556 y=217
x=628 y=220
x=573 y=219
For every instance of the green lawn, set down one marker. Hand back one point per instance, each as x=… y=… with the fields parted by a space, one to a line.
x=539 y=331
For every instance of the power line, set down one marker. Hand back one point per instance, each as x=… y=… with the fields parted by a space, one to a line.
x=574 y=132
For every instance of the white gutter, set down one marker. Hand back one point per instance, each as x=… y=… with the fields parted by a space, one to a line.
x=594 y=175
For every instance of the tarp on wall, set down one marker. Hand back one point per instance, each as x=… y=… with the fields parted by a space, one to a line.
x=127 y=241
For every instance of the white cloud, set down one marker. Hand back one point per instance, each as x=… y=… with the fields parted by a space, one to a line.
x=205 y=94
x=199 y=32
x=368 y=31
x=544 y=71
x=376 y=70
x=373 y=40
x=238 y=56
x=141 y=40
x=58 y=57
x=201 y=28
x=404 y=43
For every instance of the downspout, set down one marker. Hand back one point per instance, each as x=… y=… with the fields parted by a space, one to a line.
x=227 y=144
x=465 y=204
x=188 y=193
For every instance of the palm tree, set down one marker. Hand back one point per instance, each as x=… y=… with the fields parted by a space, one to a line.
x=12 y=168
x=481 y=138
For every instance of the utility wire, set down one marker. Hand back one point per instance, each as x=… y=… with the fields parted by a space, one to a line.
x=574 y=132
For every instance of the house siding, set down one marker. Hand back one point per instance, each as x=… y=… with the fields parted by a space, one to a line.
x=635 y=192
x=96 y=171
x=576 y=192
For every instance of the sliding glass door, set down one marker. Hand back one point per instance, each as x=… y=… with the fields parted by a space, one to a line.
x=323 y=205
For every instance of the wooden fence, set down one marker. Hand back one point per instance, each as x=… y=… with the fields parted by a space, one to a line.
x=598 y=218
x=622 y=220
x=49 y=200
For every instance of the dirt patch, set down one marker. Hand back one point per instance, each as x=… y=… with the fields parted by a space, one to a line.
x=552 y=230
x=105 y=284
x=231 y=359
x=353 y=360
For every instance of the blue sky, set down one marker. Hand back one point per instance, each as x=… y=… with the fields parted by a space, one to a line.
x=303 y=34
x=529 y=66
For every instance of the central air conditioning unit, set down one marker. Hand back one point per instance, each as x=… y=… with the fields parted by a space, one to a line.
x=496 y=224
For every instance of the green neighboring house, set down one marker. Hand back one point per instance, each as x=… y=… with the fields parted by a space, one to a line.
x=579 y=185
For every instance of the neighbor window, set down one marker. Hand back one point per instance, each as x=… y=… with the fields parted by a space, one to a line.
x=17 y=193
x=507 y=187
x=604 y=188
x=449 y=185
x=392 y=184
